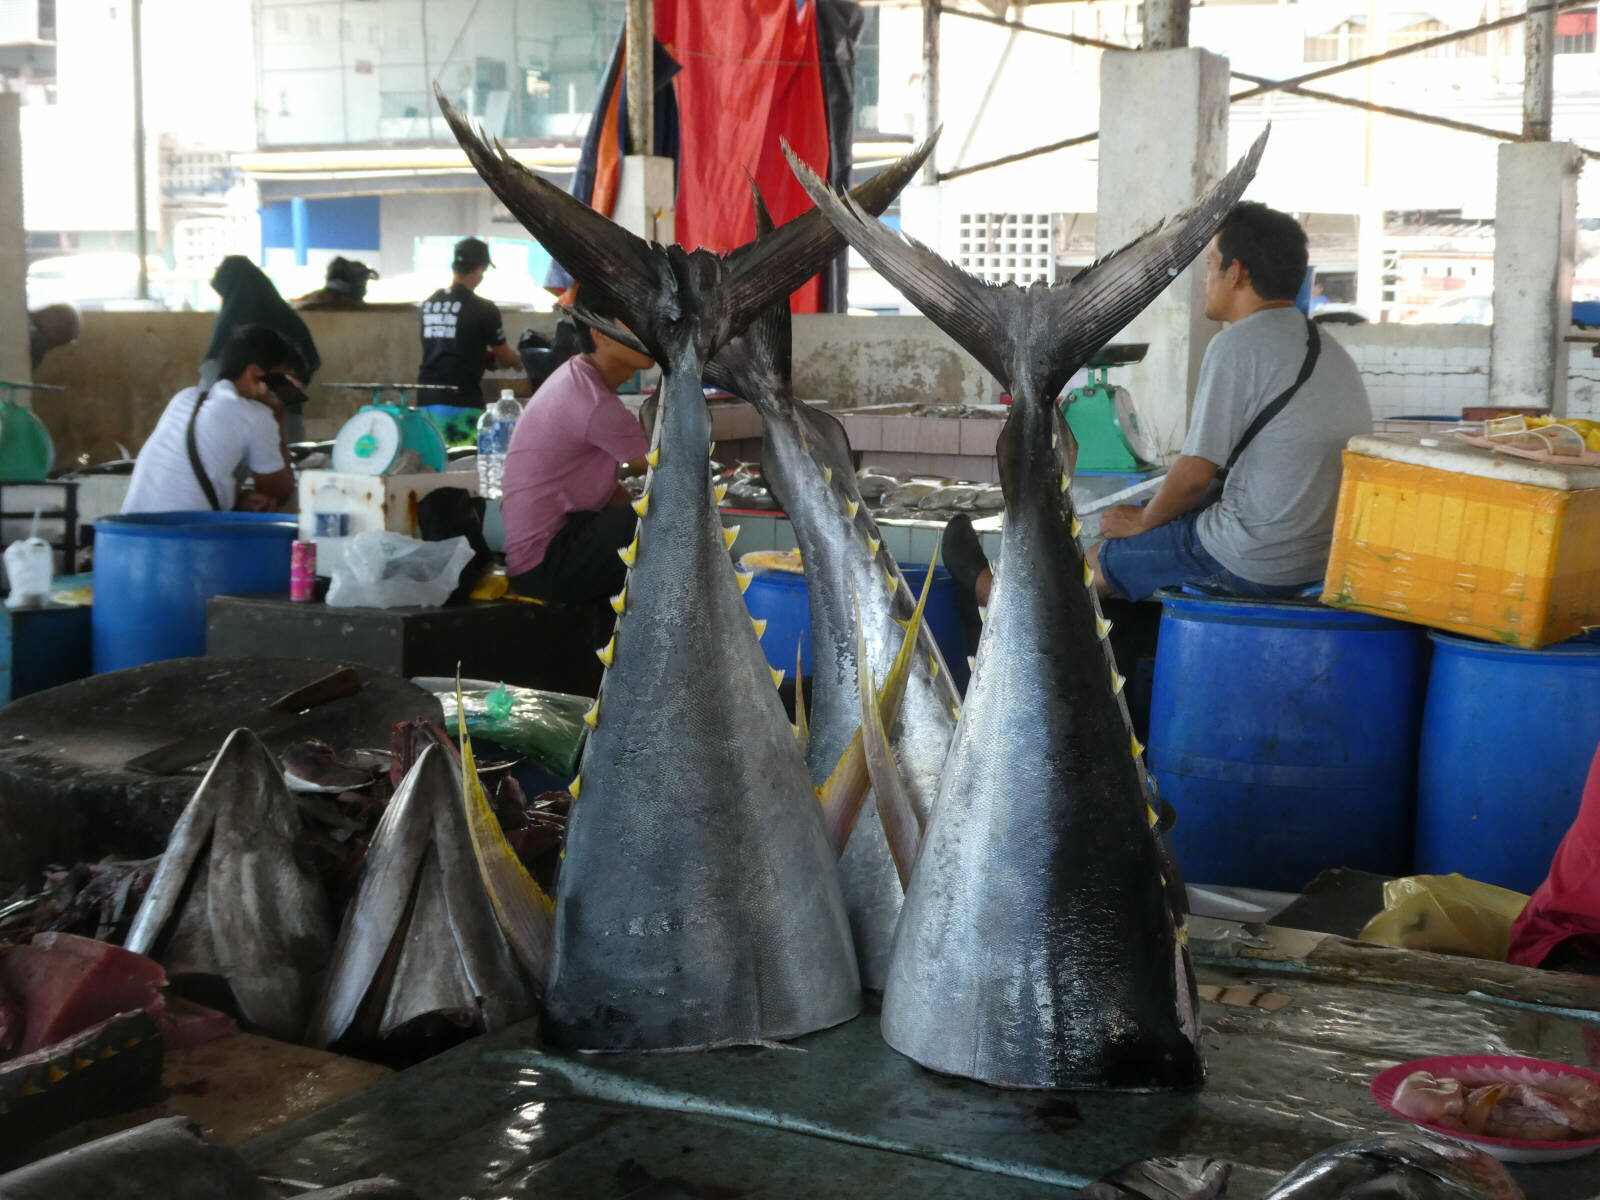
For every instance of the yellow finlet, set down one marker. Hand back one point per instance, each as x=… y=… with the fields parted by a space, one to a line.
x=642 y=505
x=55 y=1074
x=1077 y=525
x=933 y=666
x=955 y=712
x=759 y=624
x=1065 y=483
x=575 y=786
x=592 y=717
x=721 y=492
x=1102 y=627
x=851 y=509
x=1055 y=440
x=827 y=474
x=630 y=552
x=744 y=578
x=1088 y=574
x=802 y=724
x=972 y=663
x=874 y=545
x=619 y=601
x=730 y=534
x=1138 y=748
x=777 y=676
x=890 y=579
x=607 y=652
x=1151 y=812
x=1116 y=683
x=653 y=459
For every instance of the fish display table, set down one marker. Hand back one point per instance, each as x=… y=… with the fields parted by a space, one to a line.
x=509 y=641
x=1290 y=1055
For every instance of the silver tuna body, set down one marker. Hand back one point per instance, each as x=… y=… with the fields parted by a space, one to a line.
x=1040 y=945
x=699 y=902
x=844 y=558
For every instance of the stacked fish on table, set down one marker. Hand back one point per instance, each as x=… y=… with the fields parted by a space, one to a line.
x=852 y=581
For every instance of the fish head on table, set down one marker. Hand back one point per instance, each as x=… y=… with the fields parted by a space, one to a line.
x=1186 y=1177
x=698 y=902
x=1041 y=944
x=1398 y=1165
x=852 y=582
x=421 y=950
x=234 y=899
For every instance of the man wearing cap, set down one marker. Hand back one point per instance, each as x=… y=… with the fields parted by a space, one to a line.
x=461 y=335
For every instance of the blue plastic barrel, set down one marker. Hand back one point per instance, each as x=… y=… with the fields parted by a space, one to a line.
x=1285 y=737
x=1507 y=738
x=780 y=598
x=154 y=572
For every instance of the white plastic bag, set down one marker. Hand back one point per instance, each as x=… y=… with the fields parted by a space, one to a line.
x=30 y=566
x=382 y=569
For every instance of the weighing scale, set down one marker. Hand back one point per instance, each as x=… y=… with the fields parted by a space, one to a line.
x=26 y=451
x=373 y=440
x=1102 y=416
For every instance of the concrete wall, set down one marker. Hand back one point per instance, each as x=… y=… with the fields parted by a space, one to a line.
x=858 y=361
x=127 y=365
x=13 y=265
x=120 y=374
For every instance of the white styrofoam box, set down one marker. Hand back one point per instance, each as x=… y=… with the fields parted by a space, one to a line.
x=337 y=505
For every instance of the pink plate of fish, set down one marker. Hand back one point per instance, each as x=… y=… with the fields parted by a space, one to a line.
x=1517 y=1109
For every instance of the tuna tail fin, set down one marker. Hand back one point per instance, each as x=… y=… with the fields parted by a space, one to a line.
x=525 y=913
x=895 y=810
x=621 y=269
x=639 y=280
x=1036 y=338
x=845 y=790
x=755 y=365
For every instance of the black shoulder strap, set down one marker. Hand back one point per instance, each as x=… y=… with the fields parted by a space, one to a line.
x=194 y=454
x=1313 y=350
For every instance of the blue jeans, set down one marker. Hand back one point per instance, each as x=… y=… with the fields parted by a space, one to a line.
x=1170 y=556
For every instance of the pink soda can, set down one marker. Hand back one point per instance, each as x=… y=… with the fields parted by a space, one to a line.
x=302 y=570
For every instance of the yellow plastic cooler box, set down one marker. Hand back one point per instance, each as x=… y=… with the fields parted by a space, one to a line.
x=1435 y=531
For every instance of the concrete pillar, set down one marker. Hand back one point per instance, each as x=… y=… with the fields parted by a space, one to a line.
x=1535 y=222
x=1166 y=24
x=1163 y=140
x=14 y=362
x=646 y=198
x=1539 y=75
x=641 y=83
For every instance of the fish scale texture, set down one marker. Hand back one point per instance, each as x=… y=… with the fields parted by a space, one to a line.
x=1037 y=947
x=699 y=901
x=840 y=566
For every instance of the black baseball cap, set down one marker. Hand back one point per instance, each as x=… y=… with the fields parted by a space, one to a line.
x=472 y=253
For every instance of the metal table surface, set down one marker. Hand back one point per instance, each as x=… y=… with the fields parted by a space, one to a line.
x=841 y=1114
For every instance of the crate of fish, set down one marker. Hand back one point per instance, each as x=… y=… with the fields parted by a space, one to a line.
x=1464 y=539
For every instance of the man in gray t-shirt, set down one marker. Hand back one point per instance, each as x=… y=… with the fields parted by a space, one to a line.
x=1268 y=535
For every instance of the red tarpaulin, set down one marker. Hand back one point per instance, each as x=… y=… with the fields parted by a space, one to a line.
x=749 y=77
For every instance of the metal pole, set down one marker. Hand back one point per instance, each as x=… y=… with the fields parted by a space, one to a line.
x=428 y=105
x=1538 y=79
x=930 y=82
x=140 y=236
x=1166 y=24
x=641 y=81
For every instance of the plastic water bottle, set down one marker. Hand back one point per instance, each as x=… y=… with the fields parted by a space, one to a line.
x=494 y=443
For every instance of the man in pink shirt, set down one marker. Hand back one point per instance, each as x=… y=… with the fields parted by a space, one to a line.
x=565 y=514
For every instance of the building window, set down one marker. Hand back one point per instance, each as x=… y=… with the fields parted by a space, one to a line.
x=1575 y=32
x=280 y=20
x=1421 y=31
x=313 y=25
x=1342 y=43
x=1006 y=247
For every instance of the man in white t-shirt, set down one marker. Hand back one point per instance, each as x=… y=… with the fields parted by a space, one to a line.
x=236 y=423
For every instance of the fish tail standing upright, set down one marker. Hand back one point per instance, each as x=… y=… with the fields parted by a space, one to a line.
x=807 y=462
x=1039 y=945
x=698 y=902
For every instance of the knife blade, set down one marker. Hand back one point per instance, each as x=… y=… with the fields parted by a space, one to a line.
x=281 y=714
